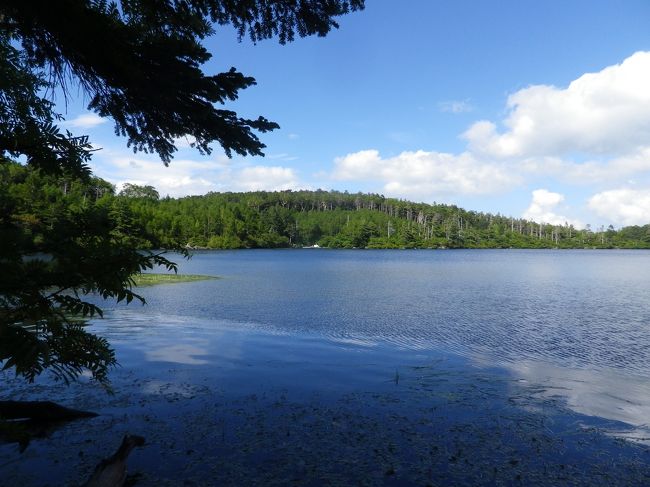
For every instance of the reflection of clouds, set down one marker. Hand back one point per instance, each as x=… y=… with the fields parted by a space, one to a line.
x=601 y=393
x=180 y=353
x=187 y=340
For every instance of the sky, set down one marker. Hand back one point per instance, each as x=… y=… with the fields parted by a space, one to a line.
x=534 y=109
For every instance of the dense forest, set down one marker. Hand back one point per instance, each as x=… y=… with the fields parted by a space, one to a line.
x=292 y=219
x=342 y=220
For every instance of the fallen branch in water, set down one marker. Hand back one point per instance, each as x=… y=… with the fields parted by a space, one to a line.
x=41 y=411
x=111 y=472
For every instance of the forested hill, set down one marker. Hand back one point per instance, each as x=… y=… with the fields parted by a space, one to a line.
x=343 y=220
x=33 y=204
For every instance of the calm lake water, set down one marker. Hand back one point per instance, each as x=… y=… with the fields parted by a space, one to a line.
x=499 y=341
x=586 y=309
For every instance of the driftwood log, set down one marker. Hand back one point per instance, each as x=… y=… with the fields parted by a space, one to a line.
x=111 y=472
x=40 y=411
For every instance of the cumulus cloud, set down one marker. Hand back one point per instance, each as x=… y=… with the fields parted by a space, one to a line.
x=425 y=175
x=607 y=112
x=590 y=172
x=183 y=177
x=85 y=121
x=622 y=206
x=191 y=177
x=543 y=209
x=265 y=178
x=592 y=132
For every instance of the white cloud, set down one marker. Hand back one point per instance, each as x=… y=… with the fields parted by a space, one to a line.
x=593 y=133
x=618 y=169
x=607 y=112
x=358 y=165
x=622 y=206
x=455 y=106
x=425 y=175
x=182 y=177
x=543 y=208
x=191 y=177
x=85 y=121
x=265 y=178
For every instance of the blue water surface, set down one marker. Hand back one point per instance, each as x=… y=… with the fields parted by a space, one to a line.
x=577 y=321
x=360 y=367
x=587 y=309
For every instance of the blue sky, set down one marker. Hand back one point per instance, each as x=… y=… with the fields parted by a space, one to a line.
x=526 y=108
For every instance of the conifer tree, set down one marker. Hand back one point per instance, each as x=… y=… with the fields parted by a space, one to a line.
x=139 y=62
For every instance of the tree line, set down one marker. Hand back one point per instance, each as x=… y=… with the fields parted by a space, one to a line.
x=337 y=219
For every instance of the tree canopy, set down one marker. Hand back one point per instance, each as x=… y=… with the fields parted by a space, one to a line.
x=136 y=191
x=62 y=238
x=140 y=63
x=337 y=219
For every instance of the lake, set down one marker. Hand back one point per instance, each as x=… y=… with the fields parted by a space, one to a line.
x=352 y=367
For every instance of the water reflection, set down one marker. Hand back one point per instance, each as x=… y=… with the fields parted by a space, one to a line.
x=605 y=394
x=234 y=401
x=180 y=353
x=575 y=324
x=241 y=356
x=574 y=308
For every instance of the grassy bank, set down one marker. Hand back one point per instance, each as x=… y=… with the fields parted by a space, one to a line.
x=154 y=279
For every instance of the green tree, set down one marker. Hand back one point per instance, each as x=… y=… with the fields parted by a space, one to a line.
x=55 y=248
x=139 y=63
x=136 y=191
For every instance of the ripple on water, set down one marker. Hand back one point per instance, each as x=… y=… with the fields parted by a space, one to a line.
x=571 y=308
